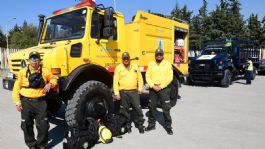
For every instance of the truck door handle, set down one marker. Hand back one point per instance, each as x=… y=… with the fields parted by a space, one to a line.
x=117 y=50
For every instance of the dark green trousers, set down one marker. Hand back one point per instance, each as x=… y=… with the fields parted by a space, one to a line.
x=131 y=99
x=34 y=110
x=163 y=96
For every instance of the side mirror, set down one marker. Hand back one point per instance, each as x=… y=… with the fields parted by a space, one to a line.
x=108 y=30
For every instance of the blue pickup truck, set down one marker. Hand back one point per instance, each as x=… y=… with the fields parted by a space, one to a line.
x=222 y=61
x=261 y=69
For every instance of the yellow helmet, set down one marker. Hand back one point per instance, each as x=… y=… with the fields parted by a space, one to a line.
x=105 y=135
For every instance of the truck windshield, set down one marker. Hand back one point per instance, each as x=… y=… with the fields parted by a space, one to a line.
x=216 y=50
x=70 y=25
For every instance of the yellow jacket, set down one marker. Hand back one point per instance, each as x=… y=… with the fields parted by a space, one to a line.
x=249 y=65
x=159 y=73
x=127 y=79
x=21 y=84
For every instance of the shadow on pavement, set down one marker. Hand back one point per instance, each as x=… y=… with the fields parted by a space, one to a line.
x=56 y=134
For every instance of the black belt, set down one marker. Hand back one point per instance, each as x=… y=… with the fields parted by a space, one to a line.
x=134 y=90
x=32 y=99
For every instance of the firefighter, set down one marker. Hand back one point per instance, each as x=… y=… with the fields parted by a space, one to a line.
x=159 y=75
x=30 y=88
x=127 y=85
x=249 y=71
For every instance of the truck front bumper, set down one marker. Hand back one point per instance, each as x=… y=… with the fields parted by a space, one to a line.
x=206 y=76
x=8 y=83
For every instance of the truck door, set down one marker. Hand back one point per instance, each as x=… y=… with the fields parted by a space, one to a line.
x=104 y=51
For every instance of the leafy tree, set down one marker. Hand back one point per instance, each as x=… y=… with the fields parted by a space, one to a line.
x=23 y=37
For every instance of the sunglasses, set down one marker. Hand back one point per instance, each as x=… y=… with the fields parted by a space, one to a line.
x=159 y=54
x=127 y=58
x=34 y=59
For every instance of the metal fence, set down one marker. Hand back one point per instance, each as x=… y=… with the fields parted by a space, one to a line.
x=4 y=53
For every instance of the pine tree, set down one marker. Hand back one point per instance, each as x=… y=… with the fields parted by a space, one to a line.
x=198 y=27
x=182 y=14
x=254 y=29
x=236 y=27
x=2 y=39
x=262 y=38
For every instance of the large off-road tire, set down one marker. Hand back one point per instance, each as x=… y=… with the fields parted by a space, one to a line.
x=53 y=103
x=92 y=99
x=227 y=79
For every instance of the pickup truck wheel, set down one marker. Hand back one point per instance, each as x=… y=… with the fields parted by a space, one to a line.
x=254 y=73
x=189 y=81
x=227 y=79
x=92 y=99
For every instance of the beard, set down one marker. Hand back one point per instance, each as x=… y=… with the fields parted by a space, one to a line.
x=159 y=60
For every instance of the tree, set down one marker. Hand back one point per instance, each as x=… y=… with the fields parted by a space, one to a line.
x=218 y=27
x=254 y=29
x=236 y=27
x=182 y=14
x=23 y=37
x=262 y=39
x=2 y=39
x=199 y=27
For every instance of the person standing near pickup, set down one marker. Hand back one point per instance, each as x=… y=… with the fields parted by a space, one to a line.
x=249 y=71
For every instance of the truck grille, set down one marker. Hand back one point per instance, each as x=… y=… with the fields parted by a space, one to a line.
x=204 y=76
x=16 y=64
x=204 y=65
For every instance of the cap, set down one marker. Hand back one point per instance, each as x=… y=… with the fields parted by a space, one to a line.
x=34 y=54
x=125 y=55
x=105 y=135
x=159 y=51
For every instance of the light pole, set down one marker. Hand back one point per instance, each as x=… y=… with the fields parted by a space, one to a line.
x=7 y=32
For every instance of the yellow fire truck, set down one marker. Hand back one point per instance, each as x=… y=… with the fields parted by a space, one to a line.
x=83 y=44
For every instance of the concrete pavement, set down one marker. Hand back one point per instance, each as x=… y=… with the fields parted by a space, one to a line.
x=205 y=118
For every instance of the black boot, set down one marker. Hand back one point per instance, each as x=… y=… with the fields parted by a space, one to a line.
x=169 y=130
x=129 y=128
x=141 y=129
x=150 y=127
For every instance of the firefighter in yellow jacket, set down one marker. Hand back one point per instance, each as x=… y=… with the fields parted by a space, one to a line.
x=158 y=76
x=127 y=85
x=30 y=88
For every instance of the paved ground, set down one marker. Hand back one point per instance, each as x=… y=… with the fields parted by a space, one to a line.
x=206 y=117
